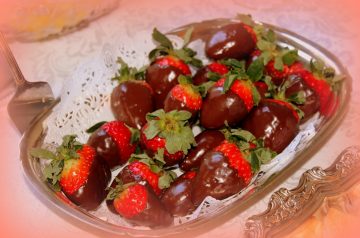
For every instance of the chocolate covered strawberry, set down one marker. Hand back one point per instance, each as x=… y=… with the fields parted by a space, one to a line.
x=169 y=131
x=167 y=63
x=223 y=172
x=275 y=122
x=177 y=199
x=320 y=80
x=184 y=96
x=299 y=93
x=114 y=142
x=235 y=40
x=214 y=70
x=138 y=204
x=143 y=168
x=230 y=166
x=77 y=171
x=132 y=99
x=228 y=101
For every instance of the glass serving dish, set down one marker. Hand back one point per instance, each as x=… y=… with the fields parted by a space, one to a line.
x=86 y=102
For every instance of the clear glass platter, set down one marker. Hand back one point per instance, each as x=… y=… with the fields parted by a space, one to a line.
x=86 y=101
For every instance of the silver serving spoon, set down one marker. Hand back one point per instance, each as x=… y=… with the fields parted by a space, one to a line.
x=31 y=98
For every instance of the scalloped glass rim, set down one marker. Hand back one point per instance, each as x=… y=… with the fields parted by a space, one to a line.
x=202 y=224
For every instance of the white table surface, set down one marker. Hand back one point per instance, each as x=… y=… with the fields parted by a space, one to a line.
x=333 y=24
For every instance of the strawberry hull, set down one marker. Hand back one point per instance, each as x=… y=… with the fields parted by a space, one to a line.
x=93 y=192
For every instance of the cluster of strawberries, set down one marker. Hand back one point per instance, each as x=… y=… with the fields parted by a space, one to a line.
x=248 y=102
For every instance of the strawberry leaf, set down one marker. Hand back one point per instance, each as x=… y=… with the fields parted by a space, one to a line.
x=152 y=130
x=187 y=36
x=289 y=57
x=278 y=63
x=184 y=80
x=42 y=154
x=229 y=80
x=246 y=19
x=256 y=70
x=298 y=98
x=204 y=88
x=212 y=76
x=135 y=135
x=162 y=39
x=165 y=180
x=254 y=162
x=52 y=173
x=94 y=127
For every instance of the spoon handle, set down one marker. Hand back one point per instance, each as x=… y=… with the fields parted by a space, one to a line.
x=14 y=67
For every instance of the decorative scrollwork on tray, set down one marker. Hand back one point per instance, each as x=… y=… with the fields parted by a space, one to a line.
x=287 y=209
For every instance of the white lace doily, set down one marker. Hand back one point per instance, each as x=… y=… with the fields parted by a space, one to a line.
x=85 y=100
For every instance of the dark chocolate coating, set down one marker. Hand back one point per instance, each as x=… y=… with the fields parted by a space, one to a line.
x=92 y=193
x=106 y=148
x=177 y=198
x=230 y=41
x=201 y=76
x=272 y=122
x=173 y=104
x=131 y=101
x=161 y=79
x=219 y=107
x=205 y=142
x=312 y=103
x=216 y=179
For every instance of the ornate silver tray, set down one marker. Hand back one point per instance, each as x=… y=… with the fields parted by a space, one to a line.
x=86 y=101
x=288 y=209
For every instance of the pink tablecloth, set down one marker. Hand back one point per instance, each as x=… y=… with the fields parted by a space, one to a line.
x=333 y=24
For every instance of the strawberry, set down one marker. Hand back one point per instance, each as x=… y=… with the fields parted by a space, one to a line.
x=167 y=63
x=212 y=71
x=216 y=176
x=76 y=170
x=230 y=166
x=138 y=204
x=143 y=168
x=170 y=60
x=316 y=81
x=278 y=76
x=260 y=122
x=218 y=68
x=169 y=131
x=132 y=99
x=234 y=40
x=232 y=99
x=113 y=141
x=184 y=96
